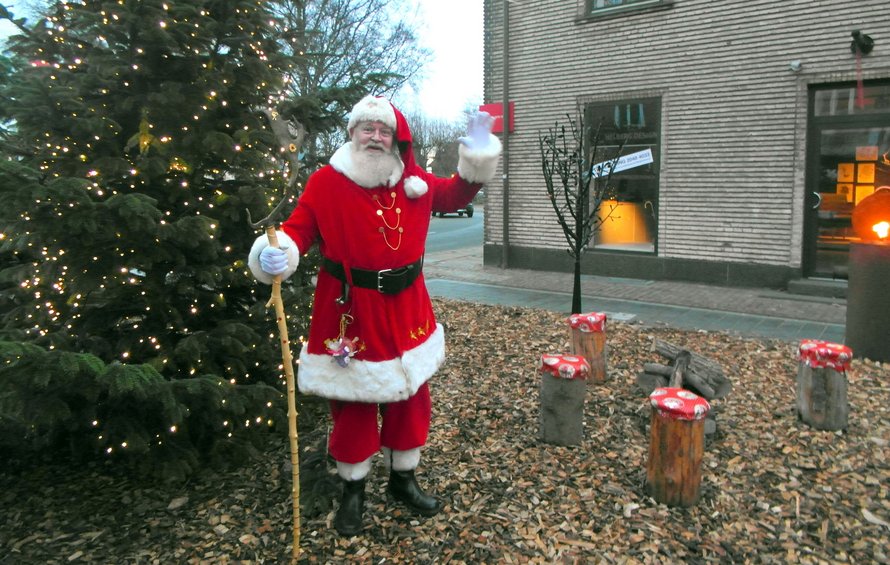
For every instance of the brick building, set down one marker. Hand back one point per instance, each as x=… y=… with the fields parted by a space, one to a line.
x=766 y=124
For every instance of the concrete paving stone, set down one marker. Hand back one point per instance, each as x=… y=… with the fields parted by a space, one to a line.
x=460 y=275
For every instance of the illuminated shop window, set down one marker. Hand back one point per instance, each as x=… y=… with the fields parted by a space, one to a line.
x=630 y=212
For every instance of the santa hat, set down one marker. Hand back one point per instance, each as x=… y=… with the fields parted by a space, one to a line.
x=415 y=186
x=372 y=109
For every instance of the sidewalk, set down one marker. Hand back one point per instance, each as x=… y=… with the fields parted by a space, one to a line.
x=460 y=275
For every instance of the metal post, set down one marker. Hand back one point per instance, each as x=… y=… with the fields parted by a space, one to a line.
x=505 y=156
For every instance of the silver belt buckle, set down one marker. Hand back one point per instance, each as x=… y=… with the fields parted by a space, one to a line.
x=380 y=279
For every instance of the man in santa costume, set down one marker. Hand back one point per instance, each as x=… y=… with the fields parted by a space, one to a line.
x=373 y=340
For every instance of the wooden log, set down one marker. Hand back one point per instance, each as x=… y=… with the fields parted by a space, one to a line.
x=710 y=425
x=591 y=346
x=676 y=448
x=588 y=333
x=658 y=369
x=695 y=383
x=673 y=472
x=563 y=390
x=698 y=362
x=822 y=385
x=681 y=365
x=650 y=381
x=704 y=375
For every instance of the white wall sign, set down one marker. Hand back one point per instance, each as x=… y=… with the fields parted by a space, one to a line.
x=637 y=159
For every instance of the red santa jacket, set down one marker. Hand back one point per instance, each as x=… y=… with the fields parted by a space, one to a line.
x=398 y=345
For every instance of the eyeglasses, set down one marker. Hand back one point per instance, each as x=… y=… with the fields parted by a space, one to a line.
x=382 y=131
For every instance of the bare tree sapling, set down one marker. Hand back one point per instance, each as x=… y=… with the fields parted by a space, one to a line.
x=577 y=176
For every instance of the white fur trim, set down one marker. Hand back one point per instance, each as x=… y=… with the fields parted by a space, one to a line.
x=401 y=460
x=479 y=165
x=354 y=471
x=342 y=162
x=415 y=187
x=372 y=381
x=372 y=109
x=262 y=242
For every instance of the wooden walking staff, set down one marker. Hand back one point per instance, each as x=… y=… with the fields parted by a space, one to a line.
x=288 y=361
x=589 y=341
x=290 y=136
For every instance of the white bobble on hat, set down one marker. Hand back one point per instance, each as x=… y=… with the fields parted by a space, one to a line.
x=372 y=109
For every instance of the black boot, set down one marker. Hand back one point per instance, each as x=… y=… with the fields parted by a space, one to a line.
x=348 y=520
x=404 y=488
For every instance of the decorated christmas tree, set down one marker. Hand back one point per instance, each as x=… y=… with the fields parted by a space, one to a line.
x=137 y=141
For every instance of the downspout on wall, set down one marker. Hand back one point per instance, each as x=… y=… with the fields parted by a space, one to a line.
x=505 y=142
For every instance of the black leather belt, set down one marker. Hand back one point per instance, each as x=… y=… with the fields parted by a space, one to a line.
x=387 y=281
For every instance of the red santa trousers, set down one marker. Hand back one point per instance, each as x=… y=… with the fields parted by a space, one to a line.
x=356 y=436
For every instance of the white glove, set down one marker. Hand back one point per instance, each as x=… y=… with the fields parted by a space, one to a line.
x=478 y=131
x=273 y=260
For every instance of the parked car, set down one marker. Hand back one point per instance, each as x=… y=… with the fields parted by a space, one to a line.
x=460 y=212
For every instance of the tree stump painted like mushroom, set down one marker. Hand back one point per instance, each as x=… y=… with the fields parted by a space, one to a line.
x=589 y=341
x=822 y=384
x=676 y=446
x=563 y=389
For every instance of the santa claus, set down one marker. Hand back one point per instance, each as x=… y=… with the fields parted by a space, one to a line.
x=374 y=342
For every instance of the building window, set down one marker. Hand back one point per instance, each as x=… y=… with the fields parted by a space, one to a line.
x=849 y=100
x=606 y=7
x=629 y=212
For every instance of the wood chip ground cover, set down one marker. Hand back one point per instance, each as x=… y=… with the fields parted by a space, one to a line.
x=773 y=490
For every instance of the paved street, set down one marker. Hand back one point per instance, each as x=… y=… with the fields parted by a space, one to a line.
x=453 y=269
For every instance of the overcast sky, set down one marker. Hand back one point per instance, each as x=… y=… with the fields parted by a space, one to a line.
x=6 y=28
x=453 y=80
x=453 y=31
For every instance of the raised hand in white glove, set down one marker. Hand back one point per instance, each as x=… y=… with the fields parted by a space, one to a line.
x=273 y=260
x=478 y=131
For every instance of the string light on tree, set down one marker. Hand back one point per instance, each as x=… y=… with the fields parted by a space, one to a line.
x=156 y=235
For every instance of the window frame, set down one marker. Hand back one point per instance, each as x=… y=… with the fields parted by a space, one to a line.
x=655 y=101
x=591 y=12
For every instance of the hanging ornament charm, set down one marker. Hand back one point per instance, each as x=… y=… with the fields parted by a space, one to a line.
x=143 y=139
x=145 y=136
x=342 y=349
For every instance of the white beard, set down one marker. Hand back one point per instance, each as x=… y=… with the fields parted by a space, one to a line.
x=372 y=169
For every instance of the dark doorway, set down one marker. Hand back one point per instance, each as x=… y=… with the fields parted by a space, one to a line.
x=848 y=157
